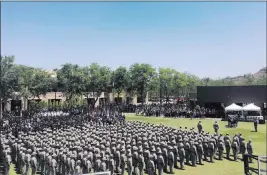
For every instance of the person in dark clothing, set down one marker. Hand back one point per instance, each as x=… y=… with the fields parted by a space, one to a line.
x=256 y=122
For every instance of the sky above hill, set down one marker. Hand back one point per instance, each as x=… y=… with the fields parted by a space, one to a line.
x=204 y=38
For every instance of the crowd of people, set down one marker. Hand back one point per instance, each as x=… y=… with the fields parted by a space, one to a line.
x=76 y=143
x=175 y=111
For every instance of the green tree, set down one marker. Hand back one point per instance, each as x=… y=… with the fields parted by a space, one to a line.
x=42 y=83
x=193 y=81
x=26 y=77
x=141 y=75
x=180 y=83
x=129 y=86
x=154 y=90
x=167 y=83
x=9 y=81
x=99 y=80
x=119 y=80
x=248 y=79
x=261 y=80
x=228 y=81
x=70 y=80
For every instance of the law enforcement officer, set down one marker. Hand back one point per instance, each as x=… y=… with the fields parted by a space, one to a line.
x=129 y=164
x=220 y=149
x=235 y=148
x=141 y=163
x=151 y=166
x=135 y=160
x=205 y=149
x=111 y=164
x=103 y=166
x=250 y=150
x=216 y=127
x=181 y=152
x=165 y=156
x=187 y=152
x=171 y=159
x=33 y=163
x=160 y=162
x=200 y=152
x=242 y=147
x=53 y=165
x=28 y=161
x=256 y=122
x=199 y=127
x=123 y=161
x=211 y=150
x=193 y=154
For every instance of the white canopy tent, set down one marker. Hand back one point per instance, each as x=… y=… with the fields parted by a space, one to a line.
x=251 y=107
x=233 y=107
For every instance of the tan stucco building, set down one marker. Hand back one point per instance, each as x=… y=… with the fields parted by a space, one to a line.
x=59 y=97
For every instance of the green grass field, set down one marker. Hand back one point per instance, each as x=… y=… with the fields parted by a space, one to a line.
x=224 y=167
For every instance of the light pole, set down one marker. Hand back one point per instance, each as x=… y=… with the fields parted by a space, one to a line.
x=160 y=91
x=87 y=93
x=70 y=73
x=1 y=112
x=54 y=89
x=113 y=92
x=166 y=87
x=113 y=87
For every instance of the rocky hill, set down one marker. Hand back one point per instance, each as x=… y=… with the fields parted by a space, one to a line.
x=261 y=75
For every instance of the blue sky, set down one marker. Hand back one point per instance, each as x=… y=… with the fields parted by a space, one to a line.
x=207 y=39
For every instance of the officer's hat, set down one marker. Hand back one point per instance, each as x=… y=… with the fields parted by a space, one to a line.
x=135 y=148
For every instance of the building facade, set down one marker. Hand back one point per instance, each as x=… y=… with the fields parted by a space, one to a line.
x=226 y=95
x=59 y=97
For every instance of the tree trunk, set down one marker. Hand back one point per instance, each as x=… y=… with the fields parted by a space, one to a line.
x=55 y=98
x=167 y=97
x=25 y=105
x=142 y=96
x=160 y=95
x=70 y=100
x=95 y=102
x=94 y=106
x=88 y=105
x=118 y=96
x=1 y=111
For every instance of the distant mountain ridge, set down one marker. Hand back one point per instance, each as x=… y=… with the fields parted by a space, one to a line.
x=261 y=73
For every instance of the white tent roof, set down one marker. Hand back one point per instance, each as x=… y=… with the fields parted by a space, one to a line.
x=251 y=107
x=233 y=107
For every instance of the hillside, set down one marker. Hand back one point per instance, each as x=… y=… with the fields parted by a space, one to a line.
x=261 y=74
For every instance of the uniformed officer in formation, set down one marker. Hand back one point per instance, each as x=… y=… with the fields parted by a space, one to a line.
x=249 y=150
x=122 y=147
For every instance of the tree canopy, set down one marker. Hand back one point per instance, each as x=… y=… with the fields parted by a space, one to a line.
x=74 y=80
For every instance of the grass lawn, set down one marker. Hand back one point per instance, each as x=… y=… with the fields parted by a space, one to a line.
x=12 y=170
x=224 y=167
